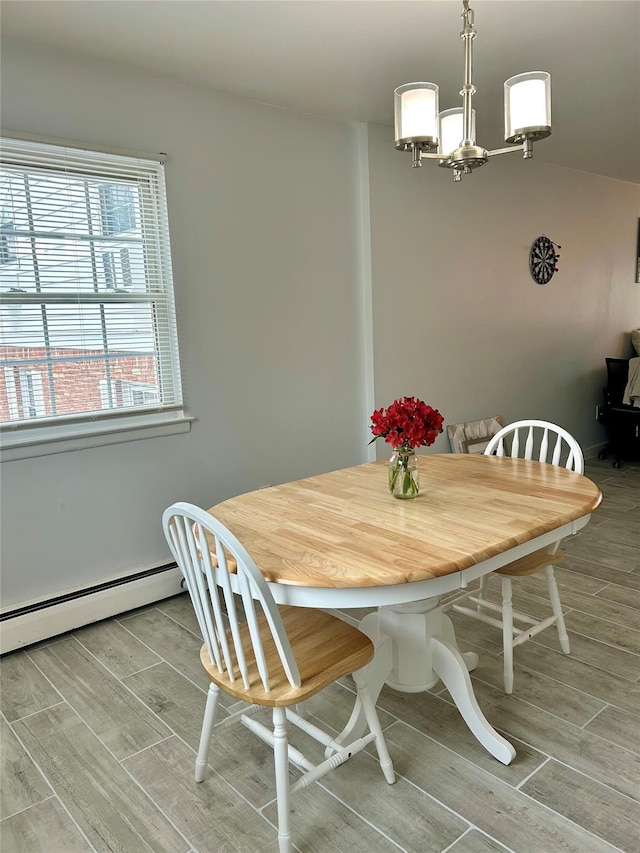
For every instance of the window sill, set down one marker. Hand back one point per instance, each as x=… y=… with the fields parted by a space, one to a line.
x=65 y=438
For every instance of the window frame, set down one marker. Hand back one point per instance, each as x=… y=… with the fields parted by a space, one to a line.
x=58 y=433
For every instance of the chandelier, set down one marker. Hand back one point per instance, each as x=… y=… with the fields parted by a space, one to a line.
x=420 y=128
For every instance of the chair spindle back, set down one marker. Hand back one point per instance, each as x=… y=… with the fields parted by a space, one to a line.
x=525 y=436
x=192 y=534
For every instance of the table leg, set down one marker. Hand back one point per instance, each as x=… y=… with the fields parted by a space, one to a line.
x=416 y=646
x=450 y=666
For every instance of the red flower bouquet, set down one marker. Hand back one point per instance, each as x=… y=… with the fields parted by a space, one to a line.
x=407 y=423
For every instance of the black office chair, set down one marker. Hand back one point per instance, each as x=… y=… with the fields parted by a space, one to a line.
x=622 y=422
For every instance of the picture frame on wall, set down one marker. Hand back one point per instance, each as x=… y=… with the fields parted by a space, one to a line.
x=473 y=436
x=638 y=256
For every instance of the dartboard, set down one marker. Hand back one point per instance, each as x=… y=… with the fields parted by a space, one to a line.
x=542 y=260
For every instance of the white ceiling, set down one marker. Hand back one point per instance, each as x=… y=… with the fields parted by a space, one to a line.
x=343 y=58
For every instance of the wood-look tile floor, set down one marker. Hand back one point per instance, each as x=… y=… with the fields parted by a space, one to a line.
x=99 y=728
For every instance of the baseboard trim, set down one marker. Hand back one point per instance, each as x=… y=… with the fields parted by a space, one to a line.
x=34 y=622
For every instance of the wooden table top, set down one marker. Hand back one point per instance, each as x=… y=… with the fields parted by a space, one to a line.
x=344 y=529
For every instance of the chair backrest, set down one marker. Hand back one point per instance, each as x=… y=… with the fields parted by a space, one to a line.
x=540 y=440
x=208 y=554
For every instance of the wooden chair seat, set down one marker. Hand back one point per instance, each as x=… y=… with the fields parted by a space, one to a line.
x=320 y=664
x=531 y=564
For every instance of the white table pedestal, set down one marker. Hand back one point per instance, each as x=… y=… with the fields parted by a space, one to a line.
x=416 y=646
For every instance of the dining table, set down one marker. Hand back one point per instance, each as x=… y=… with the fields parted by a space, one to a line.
x=341 y=541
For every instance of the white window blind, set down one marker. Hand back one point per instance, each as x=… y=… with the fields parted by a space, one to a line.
x=87 y=317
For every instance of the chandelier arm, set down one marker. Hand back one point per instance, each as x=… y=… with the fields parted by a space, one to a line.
x=526 y=147
x=505 y=150
x=430 y=155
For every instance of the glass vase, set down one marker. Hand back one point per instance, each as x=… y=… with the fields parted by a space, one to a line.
x=404 y=476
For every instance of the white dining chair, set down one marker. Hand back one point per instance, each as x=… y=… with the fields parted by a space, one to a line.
x=265 y=655
x=546 y=442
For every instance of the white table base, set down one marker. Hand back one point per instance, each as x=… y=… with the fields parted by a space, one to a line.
x=416 y=646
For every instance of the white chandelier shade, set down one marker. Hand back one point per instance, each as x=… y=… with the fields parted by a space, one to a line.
x=451 y=131
x=420 y=128
x=527 y=106
x=416 y=114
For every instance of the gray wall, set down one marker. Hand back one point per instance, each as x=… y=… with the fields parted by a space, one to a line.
x=263 y=216
x=284 y=315
x=457 y=318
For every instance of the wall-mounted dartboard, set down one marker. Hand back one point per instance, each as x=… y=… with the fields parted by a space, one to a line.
x=542 y=259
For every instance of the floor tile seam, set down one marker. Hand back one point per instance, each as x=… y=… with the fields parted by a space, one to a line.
x=590 y=663
x=537 y=708
x=42 y=644
x=617 y=620
x=30 y=756
x=168 y=663
x=596 y=715
x=430 y=796
x=118 y=762
x=5 y=817
x=111 y=671
x=49 y=783
x=634 y=801
x=528 y=796
x=131 y=614
x=138 y=671
x=123 y=685
x=148 y=746
x=113 y=674
x=147 y=795
x=599 y=595
x=531 y=745
x=353 y=811
x=604 y=642
x=181 y=624
x=632 y=752
x=491 y=777
x=507 y=735
x=579 y=826
x=533 y=773
x=441 y=804
x=483 y=833
x=575 y=608
x=577 y=729
x=62 y=701
x=546 y=675
x=257 y=809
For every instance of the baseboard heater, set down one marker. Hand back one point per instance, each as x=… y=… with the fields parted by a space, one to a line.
x=41 y=620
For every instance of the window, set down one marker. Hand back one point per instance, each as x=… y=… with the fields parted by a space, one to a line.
x=87 y=319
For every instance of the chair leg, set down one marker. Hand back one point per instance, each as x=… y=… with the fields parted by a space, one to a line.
x=208 y=723
x=554 y=595
x=281 y=758
x=374 y=725
x=507 y=634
